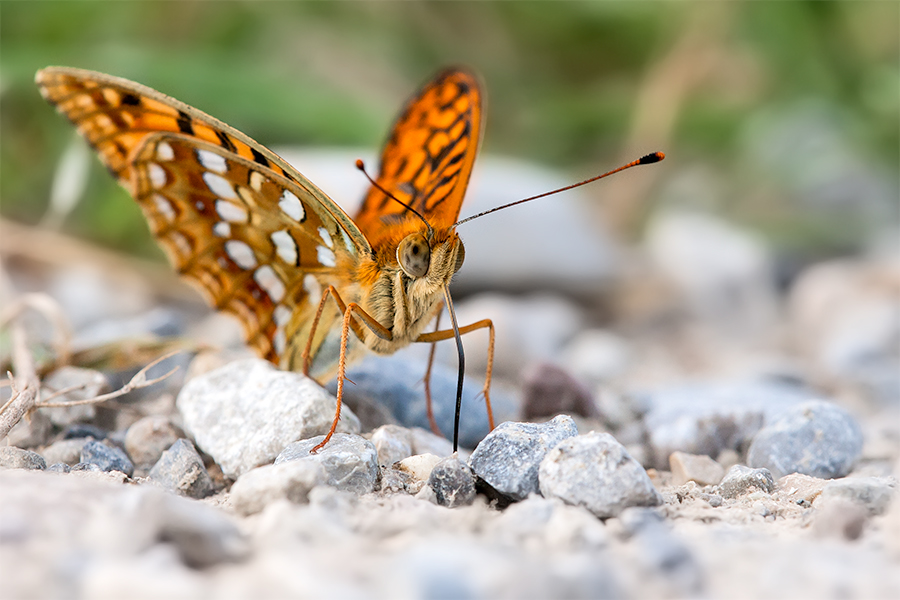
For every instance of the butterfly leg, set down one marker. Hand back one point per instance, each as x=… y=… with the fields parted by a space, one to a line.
x=427 y=381
x=307 y=351
x=446 y=334
x=369 y=321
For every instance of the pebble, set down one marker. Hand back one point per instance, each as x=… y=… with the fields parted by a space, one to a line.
x=872 y=493
x=148 y=438
x=105 y=457
x=692 y=467
x=291 y=480
x=93 y=383
x=453 y=482
x=419 y=466
x=596 y=472
x=350 y=462
x=396 y=383
x=740 y=480
x=392 y=442
x=244 y=414
x=549 y=390
x=508 y=459
x=84 y=430
x=17 y=458
x=180 y=469
x=814 y=438
x=64 y=451
x=707 y=418
x=30 y=432
x=801 y=489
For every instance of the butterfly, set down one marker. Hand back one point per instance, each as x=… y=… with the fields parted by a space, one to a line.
x=263 y=243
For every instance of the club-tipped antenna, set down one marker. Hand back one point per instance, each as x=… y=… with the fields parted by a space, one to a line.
x=462 y=365
x=362 y=167
x=644 y=160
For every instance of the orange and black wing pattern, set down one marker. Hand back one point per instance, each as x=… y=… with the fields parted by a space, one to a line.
x=428 y=158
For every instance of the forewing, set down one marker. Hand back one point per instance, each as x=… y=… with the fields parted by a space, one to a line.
x=258 y=238
x=427 y=160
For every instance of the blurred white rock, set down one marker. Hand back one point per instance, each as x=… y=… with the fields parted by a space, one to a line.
x=724 y=273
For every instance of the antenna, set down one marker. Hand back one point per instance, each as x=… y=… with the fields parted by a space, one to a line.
x=644 y=160
x=362 y=167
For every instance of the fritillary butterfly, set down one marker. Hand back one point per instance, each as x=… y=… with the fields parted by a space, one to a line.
x=263 y=243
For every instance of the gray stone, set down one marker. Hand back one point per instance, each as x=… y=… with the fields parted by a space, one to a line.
x=64 y=451
x=17 y=458
x=93 y=383
x=872 y=493
x=815 y=438
x=453 y=482
x=292 y=481
x=509 y=457
x=396 y=383
x=596 y=472
x=740 y=480
x=180 y=469
x=30 y=432
x=88 y=467
x=350 y=462
x=392 y=442
x=549 y=390
x=245 y=413
x=707 y=418
x=691 y=467
x=148 y=438
x=106 y=457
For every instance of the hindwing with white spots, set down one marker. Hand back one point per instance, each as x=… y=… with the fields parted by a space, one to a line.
x=236 y=219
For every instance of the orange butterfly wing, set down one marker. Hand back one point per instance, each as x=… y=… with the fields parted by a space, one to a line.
x=427 y=160
x=259 y=239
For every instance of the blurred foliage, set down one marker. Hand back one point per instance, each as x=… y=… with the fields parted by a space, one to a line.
x=764 y=108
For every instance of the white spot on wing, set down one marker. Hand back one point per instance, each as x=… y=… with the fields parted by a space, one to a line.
x=164 y=207
x=157 y=175
x=164 y=151
x=285 y=246
x=281 y=315
x=313 y=289
x=219 y=186
x=212 y=161
x=241 y=253
x=181 y=243
x=325 y=256
x=268 y=280
x=257 y=180
x=326 y=237
x=222 y=229
x=291 y=206
x=231 y=212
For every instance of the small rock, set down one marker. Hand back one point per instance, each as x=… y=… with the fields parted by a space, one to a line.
x=245 y=413
x=801 y=489
x=708 y=418
x=872 y=493
x=30 y=432
x=453 y=483
x=549 y=390
x=106 y=457
x=419 y=466
x=17 y=458
x=596 y=472
x=714 y=500
x=93 y=383
x=692 y=467
x=350 y=462
x=392 y=442
x=86 y=467
x=77 y=431
x=508 y=459
x=59 y=468
x=815 y=438
x=148 y=438
x=741 y=480
x=180 y=469
x=292 y=481
x=394 y=480
x=64 y=451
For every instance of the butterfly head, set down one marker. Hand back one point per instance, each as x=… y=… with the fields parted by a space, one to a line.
x=433 y=256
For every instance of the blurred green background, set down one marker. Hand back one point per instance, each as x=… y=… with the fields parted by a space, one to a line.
x=782 y=116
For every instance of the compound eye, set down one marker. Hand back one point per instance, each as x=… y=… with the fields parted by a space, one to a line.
x=414 y=255
x=460 y=257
